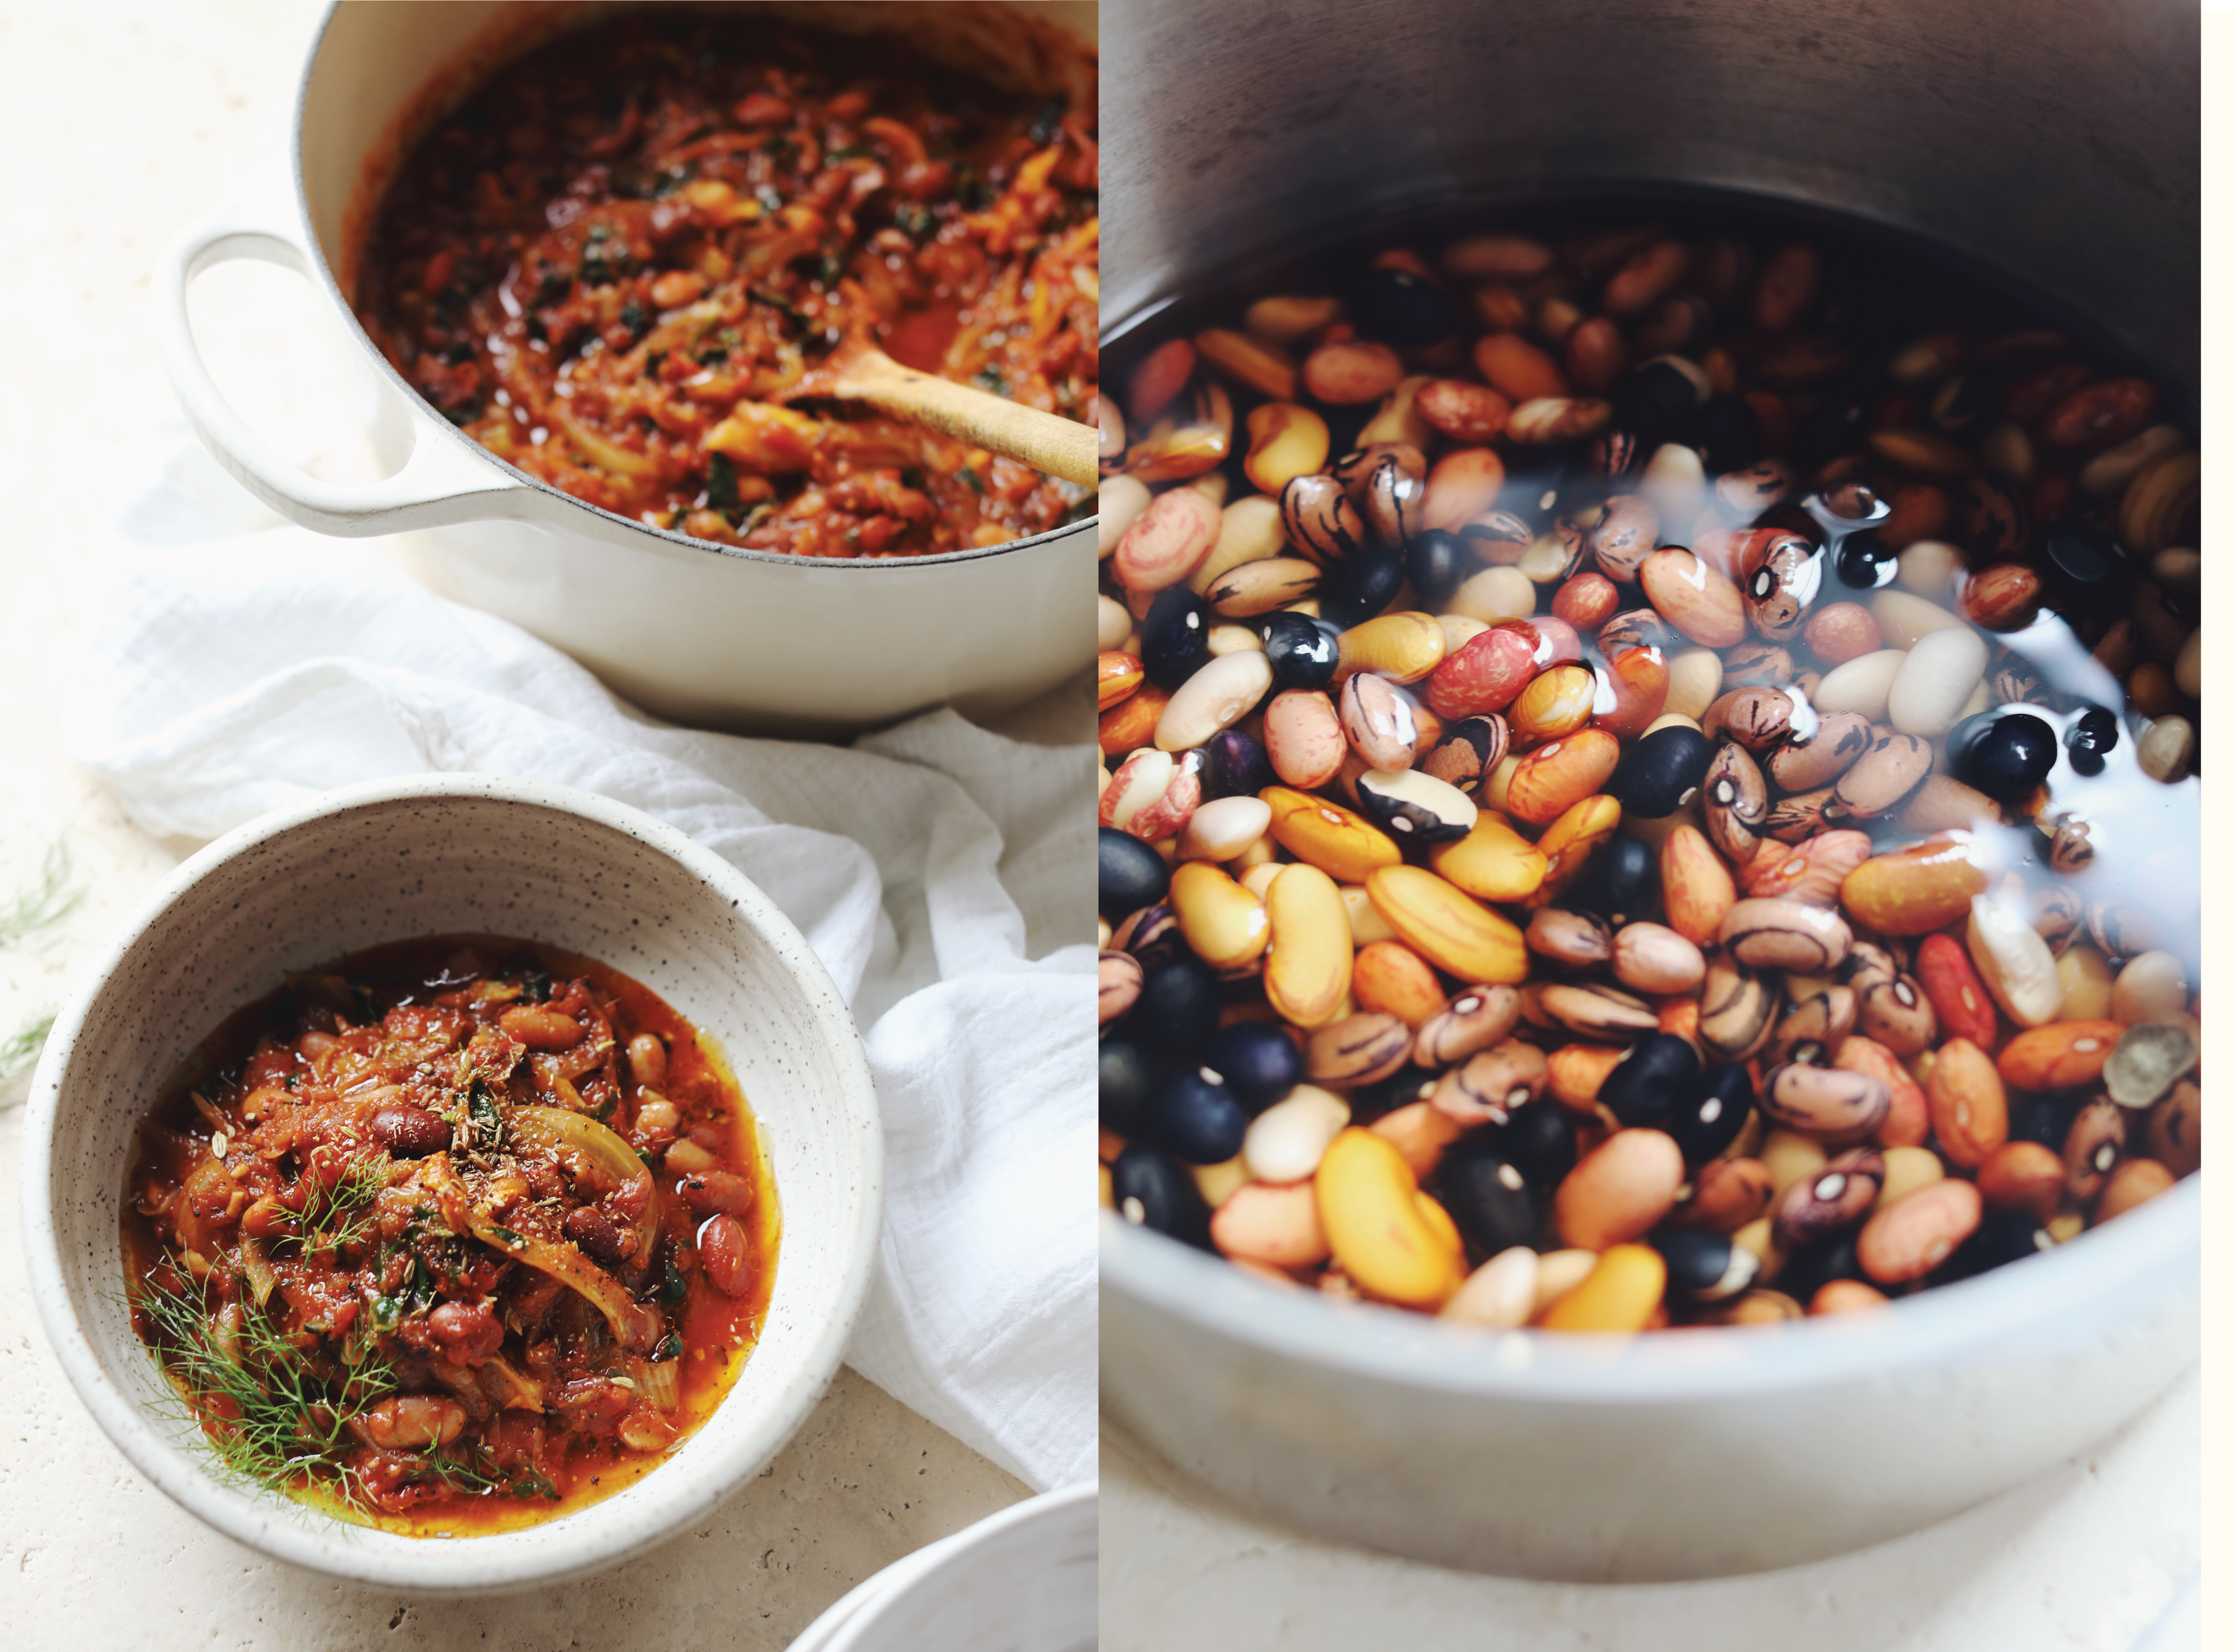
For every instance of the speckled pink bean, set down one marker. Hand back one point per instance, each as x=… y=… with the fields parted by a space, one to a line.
x=1304 y=737
x=1275 y=1224
x=1170 y=541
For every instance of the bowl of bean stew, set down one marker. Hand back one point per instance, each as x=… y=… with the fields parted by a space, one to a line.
x=1650 y=826
x=452 y=1158
x=586 y=262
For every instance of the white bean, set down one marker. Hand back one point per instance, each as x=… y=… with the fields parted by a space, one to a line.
x=1222 y=827
x=1861 y=684
x=2014 y=962
x=1928 y=694
x=1500 y=1295
x=1287 y=1141
x=1118 y=505
x=1217 y=697
x=2152 y=988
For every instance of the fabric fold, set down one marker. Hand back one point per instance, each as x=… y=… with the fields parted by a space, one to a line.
x=941 y=872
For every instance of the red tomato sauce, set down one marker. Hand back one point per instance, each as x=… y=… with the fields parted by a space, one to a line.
x=613 y=263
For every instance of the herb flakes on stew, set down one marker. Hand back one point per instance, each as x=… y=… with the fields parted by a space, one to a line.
x=452 y=1237
x=611 y=263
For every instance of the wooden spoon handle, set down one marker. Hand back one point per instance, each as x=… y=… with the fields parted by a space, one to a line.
x=1048 y=442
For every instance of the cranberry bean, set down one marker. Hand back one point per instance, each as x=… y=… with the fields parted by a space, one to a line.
x=727 y=1258
x=709 y=1191
x=540 y=1029
x=410 y=1132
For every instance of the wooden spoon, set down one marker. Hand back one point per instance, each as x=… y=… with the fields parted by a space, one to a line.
x=858 y=371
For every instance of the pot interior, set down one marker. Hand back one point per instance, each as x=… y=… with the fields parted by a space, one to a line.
x=2054 y=143
x=382 y=73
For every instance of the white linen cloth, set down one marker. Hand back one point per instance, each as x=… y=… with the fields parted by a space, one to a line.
x=942 y=873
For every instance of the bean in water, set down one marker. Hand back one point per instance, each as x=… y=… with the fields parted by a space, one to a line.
x=1702 y=876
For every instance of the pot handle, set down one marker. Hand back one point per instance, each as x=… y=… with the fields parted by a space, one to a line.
x=439 y=483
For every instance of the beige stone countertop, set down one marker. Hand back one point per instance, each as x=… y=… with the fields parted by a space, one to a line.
x=124 y=119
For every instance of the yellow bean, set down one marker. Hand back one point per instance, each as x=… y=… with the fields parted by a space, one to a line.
x=1452 y=931
x=1619 y=1294
x=1328 y=835
x=1285 y=442
x=1308 y=965
x=1371 y=1209
x=1492 y=862
x=1403 y=647
x=1223 y=922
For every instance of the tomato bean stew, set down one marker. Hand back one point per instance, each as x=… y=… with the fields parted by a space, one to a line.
x=451 y=1236
x=1648 y=775
x=615 y=264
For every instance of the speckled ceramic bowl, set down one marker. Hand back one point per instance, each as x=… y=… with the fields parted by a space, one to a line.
x=450 y=854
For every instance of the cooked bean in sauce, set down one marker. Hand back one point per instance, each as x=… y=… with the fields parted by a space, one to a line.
x=613 y=262
x=451 y=1236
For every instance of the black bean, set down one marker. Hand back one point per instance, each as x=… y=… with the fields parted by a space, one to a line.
x=1302 y=653
x=2006 y=1237
x=1660 y=401
x=1489 y=1196
x=1194 y=1117
x=1658 y=1074
x=1401 y=1089
x=1705 y=1266
x=2090 y=738
x=1126 y=1079
x=1621 y=882
x=2008 y=758
x=1353 y=591
x=1709 y=1119
x=1864 y=561
x=2084 y=552
x=1835 y=425
x=1235 y=765
x=1539 y=491
x=1398 y=307
x=1259 y=1061
x=1129 y=874
x=1438 y=563
x=1151 y=1192
x=2043 y=1118
x=1727 y=434
x=1809 y=1268
x=1178 y=1011
x=1658 y=774
x=1174 y=637
x=1539 y=1140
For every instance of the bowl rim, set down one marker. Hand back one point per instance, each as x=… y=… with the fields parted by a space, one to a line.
x=555 y=502
x=532 y=1555
x=866 y=1603
x=2107 y=1277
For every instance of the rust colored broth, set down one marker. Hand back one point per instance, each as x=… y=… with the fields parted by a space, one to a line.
x=526 y=1466
x=615 y=262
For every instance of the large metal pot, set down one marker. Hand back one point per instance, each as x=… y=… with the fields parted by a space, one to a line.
x=2055 y=143
x=700 y=632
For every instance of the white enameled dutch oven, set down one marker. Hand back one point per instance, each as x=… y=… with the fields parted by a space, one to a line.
x=2053 y=142
x=698 y=632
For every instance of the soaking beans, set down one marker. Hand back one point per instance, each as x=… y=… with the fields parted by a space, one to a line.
x=1652 y=785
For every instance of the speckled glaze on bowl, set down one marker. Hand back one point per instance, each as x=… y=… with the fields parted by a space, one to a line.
x=433 y=855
